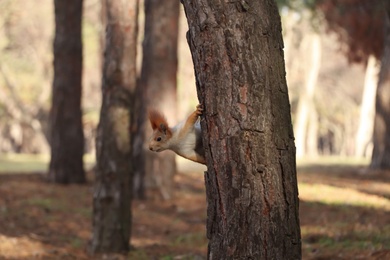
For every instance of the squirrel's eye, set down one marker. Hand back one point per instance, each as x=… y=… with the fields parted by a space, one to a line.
x=158 y=139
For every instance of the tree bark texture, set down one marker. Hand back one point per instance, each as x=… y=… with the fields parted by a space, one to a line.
x=251 y=184
x=66 y=137
x=158 y=88
x=112 y=191
x=381 y=153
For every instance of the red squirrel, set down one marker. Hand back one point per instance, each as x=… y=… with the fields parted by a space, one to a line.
x=185 y=138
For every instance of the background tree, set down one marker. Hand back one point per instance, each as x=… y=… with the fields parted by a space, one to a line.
x=252 y=195
x=157 y=89
x=66 y=137
x=112 y=195
x=306 y=112
x=25 y=75
x=357 y=23
x=367 y=108
x=381 y=152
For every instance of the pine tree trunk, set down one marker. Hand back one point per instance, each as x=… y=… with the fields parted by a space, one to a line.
x=112 y=191
x=66 y=137
x=158 y=85
x=367 y=108
x=381 y=153
x=252 y=195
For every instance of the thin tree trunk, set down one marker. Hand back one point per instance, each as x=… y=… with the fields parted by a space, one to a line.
x=139 y=191
x=251 y=184
x=67 y=138
x=367 y=109
x=112 y=191
x=158 y=84
x=381 y=153
x=306 y=103
x=312 y=134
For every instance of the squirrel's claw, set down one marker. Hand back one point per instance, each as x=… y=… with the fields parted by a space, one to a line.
x=199 y=109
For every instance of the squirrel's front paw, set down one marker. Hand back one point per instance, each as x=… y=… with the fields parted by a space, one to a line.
x=199 y=109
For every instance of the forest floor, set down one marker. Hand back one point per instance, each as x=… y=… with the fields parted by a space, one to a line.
x=344 y=214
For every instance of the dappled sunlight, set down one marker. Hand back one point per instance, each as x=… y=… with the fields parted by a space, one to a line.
x=341 y=196
x=323 y=75
x=341 y=230
x=28 y=163
x=343 y=212
x=343 y=181
x=145 y=241
x=21 y=163
x=27 y=247
x=33 y=246
x=332 y=161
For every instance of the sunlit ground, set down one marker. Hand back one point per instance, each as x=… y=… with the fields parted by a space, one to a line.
x=343 y=196
x=340 y=187
x=27 y=163
x=29 y=247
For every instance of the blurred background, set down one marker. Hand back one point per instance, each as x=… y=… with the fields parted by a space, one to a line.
x=332 y=92
x=333 y=51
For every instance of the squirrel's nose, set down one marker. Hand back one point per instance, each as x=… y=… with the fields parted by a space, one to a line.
x=150 y=148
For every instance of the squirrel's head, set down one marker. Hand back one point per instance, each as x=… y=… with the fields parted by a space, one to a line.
x=161 y=132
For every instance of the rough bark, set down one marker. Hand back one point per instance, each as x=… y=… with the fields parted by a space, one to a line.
x=112 y=191
x=158 y=85
x=66 y=137
x=381 y=153
x=251 y=184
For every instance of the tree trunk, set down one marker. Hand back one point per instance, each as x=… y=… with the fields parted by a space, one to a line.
x=158 y=84
x=67 y=138
x=306 y=103
x=381 y=153
x=312 y=133
x=252 y=194
x=367 y=108
x=112 y=191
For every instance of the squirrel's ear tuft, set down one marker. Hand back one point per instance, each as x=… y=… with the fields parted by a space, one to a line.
x=163 y=128
x=157 y=120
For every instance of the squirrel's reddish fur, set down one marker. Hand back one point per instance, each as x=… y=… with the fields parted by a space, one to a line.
x=157 y=120
x=184 y=139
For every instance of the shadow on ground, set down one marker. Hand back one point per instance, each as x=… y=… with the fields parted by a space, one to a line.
x=46 y=221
